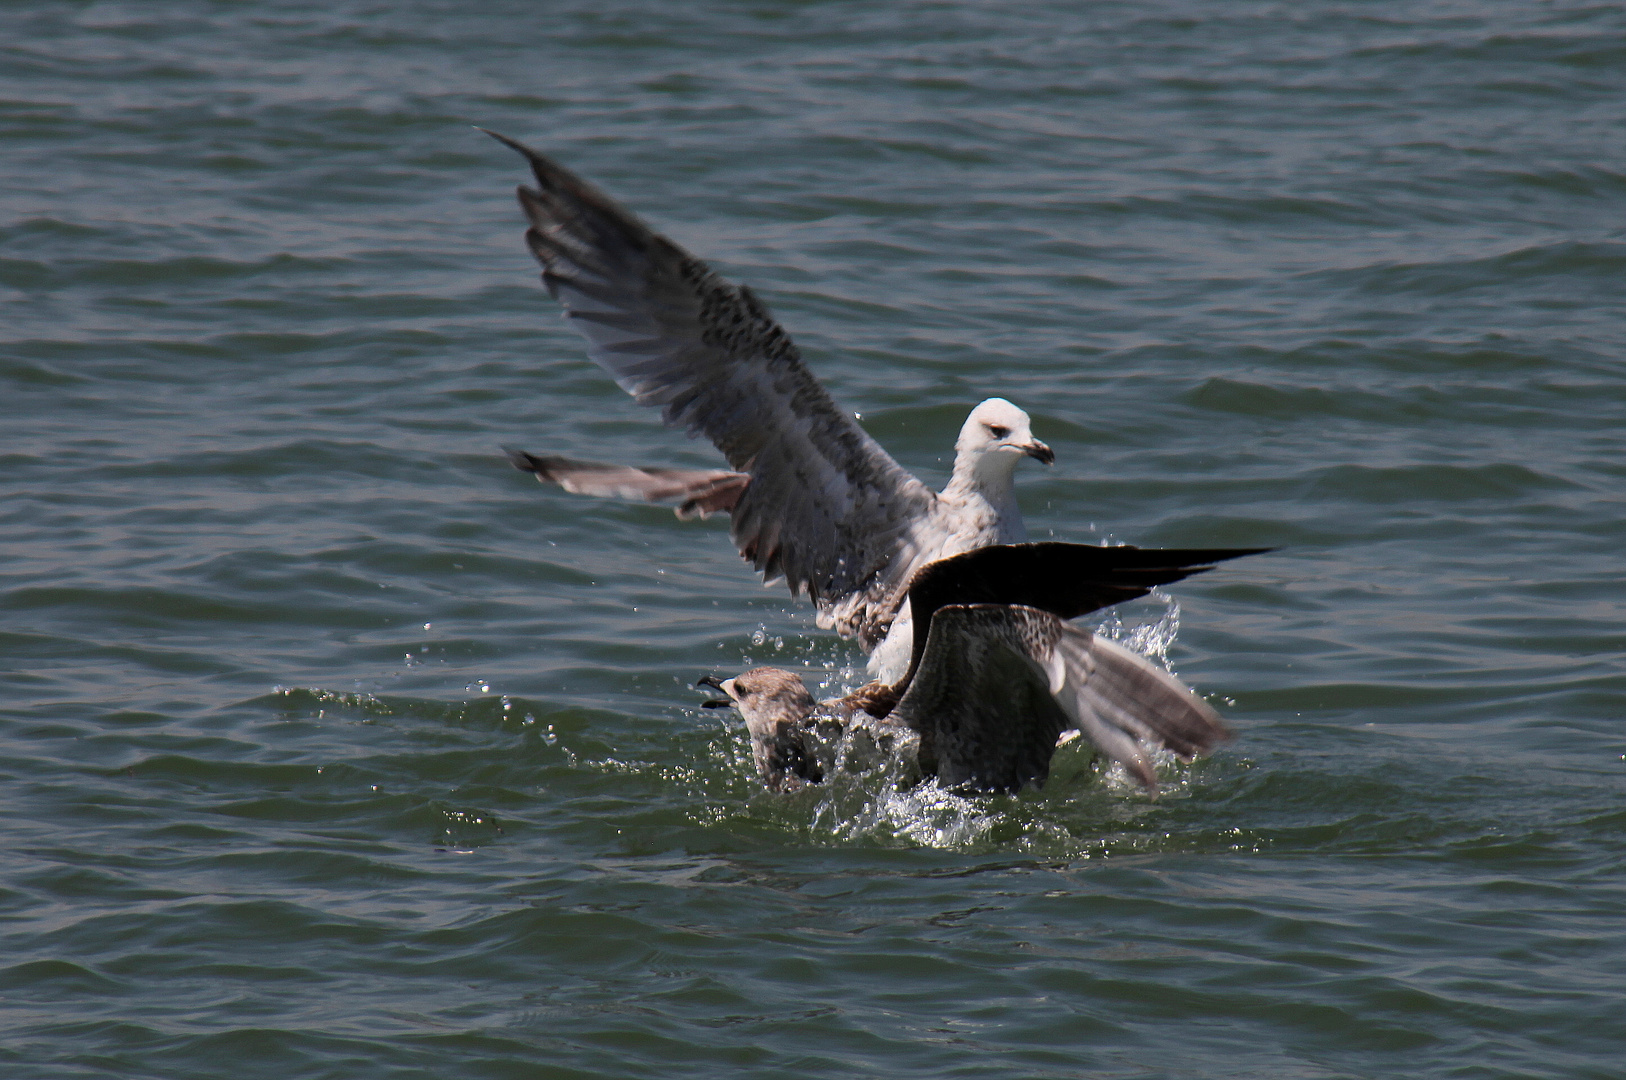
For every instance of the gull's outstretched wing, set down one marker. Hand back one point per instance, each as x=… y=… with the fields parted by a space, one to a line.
x=825 y=508
x=1067 y=580
x=996 y=684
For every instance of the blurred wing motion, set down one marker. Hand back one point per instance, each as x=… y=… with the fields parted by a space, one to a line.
x=822 y=505
x=997 y=684
x=1123 y=702
x=698 y=492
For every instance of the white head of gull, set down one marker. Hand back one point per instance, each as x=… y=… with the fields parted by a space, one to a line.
x=993 y=439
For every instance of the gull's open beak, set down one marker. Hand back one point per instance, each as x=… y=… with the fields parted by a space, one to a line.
x=1039 y=451
x=712 y=681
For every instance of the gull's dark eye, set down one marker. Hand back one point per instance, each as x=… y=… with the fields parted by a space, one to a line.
x=998 y=432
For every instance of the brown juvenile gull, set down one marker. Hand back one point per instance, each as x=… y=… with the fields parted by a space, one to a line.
x=997 y=675
x=814 y=501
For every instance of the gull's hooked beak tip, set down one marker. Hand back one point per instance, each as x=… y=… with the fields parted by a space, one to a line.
x=712 y=682
x=1040 y=452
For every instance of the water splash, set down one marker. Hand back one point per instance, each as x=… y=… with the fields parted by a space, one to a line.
x=1149 y=633
x=879 y=795
x=926 y=815
x=881 y=798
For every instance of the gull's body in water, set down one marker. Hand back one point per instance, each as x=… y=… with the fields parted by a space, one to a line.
x=996 y=675
x=813 y=499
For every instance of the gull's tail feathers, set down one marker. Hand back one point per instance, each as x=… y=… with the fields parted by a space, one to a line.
x=698 y=492
x=1123 y=702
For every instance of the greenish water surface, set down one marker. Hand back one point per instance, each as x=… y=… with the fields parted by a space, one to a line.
x=333 y=747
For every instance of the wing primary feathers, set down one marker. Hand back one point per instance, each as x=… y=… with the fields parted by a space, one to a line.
x=824 y=504
x=1066 y=580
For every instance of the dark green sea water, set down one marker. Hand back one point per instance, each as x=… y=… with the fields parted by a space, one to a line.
x=330 y=746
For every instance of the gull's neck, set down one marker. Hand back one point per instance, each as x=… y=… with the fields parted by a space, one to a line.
x=988 y=478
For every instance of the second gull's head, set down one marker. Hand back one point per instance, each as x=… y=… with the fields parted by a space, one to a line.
x=996 y=428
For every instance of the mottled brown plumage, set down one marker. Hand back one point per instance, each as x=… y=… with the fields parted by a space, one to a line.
x=795 y=740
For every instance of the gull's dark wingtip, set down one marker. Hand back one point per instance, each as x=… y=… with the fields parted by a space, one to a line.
x=1201 y=560
x=522 y=461
x=1193 y=556
x=518 y=147
x=547 y=172
x=555 y=179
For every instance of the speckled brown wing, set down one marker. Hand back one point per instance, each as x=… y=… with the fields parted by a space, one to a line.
x=980 y=698
x=996 y=684
x=826 y=508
